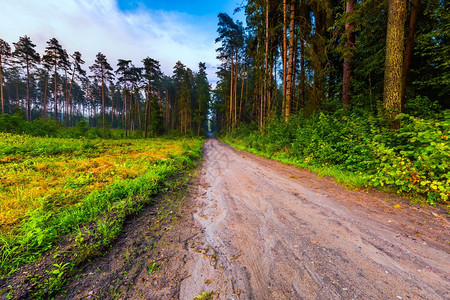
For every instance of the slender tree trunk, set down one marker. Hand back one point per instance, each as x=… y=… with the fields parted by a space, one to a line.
x=147 y=107
x=290 y=63
x=302 y=74
x=409 y=49
x=69 y=93
x=348 y=65
x=242 y=96
x=1 y=84
x=167 y=110
x=112 y=109
x=266 y=61
x=125 y=110
x=103 y=100
x=235 y=90
x=56 y=94
x=294 y=75
x=394 y=58
x=28 y=93
x=283 y=105
x=231 y=92
x=138 y=104
x=45 y=95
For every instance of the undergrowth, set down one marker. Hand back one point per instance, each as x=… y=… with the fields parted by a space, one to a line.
x=361 y=150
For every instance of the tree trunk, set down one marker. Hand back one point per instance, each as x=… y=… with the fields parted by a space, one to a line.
x=67 y=97
x=147 y=108
x=266 y=63
x=103 y=101
x=394 y=58
x=242 y=96
x=56 y=95
x=409 y=49
x=125 y=110
x=348 y=65
x=231 y=93
x=28 y=94
x=283 y=105
x=290 y=64
x=167 y=110
x=1 y=84
x=235 y=90
x=302 y=74
x=45 y=95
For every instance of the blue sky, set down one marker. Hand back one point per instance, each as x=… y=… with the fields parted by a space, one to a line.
x=167 y=30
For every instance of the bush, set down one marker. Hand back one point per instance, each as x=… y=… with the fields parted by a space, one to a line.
x=411 y=160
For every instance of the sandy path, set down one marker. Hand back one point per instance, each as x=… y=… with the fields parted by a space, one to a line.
x=275 y=232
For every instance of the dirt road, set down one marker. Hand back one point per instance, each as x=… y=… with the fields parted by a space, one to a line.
x=257 y=229
x=275 y=232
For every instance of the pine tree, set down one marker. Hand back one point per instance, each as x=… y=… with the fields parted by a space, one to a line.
x=5 y=53
x=56 y=57
x=77 y=71
x=28 y=57
x=103 y=72
x=153 y=74
x=203 y=97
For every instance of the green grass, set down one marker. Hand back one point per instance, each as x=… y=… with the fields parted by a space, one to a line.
x=91 y=187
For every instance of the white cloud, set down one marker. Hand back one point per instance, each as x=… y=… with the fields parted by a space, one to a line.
x=99 y=26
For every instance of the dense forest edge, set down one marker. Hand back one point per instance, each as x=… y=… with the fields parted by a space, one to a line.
x=354 y=89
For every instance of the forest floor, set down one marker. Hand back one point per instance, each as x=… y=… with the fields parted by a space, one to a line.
x=253 y=228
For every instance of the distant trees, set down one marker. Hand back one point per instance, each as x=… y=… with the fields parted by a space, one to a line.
x=311 y=56
x=139 y=99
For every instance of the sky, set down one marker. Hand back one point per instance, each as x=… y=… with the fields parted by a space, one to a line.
x=165 y=30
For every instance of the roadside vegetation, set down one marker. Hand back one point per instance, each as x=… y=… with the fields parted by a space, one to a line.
x=81 y=190
x=361 y=150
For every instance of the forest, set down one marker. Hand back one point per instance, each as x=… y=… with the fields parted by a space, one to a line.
x=357 y=92
x=354 y=89
x=55 y=86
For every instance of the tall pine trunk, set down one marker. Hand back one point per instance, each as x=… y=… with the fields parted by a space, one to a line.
x=394 y=58
x=56 y=94
x=103 y=101
x=28 y=93
x=45 y=95
x=266 y=63
x=290 y=74
x=231 y=92
x=409 y=49
x=1 y=84
x=348 y=65
x=283 y=105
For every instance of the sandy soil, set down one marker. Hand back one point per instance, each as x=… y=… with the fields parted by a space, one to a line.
x=257 y=229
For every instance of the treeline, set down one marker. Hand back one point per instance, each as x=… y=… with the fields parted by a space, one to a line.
x=359 y=90
x=139 y=100
x=384 y=57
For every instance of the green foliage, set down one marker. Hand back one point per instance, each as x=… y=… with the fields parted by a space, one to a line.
x=204 y=296
x=412 y=160
x=96 y=218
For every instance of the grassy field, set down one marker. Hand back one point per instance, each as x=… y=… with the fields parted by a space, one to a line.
x=51 y=188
